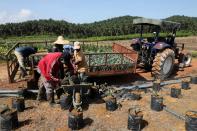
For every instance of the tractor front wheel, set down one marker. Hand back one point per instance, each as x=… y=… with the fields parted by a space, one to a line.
x=163 y=64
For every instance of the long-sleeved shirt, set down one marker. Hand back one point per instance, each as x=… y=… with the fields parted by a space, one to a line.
x=25 y=51
x=50 y=66
x=80 y=59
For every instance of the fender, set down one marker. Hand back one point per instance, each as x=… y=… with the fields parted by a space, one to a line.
x=161 y=46
x=185 y=57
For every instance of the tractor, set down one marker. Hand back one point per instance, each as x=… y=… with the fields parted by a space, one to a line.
x=158 y=53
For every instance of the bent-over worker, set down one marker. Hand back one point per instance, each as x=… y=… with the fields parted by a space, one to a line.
x=22 y=53
x=49 y=67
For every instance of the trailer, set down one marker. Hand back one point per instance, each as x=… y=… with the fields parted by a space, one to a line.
x=121 y=60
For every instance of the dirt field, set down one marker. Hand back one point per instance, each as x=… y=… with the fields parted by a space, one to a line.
x=190 y=42
x=41 y=117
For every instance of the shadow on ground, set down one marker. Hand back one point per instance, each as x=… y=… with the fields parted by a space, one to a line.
x=118 y=79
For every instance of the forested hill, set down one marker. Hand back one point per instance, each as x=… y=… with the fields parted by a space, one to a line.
x=110 y=27
x=187 y=23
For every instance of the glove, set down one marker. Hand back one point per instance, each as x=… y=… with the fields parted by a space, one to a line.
x=65 y=81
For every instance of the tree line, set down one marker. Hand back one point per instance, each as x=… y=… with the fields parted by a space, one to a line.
x=110 y=27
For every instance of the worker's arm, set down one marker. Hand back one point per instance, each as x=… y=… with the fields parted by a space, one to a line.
x=61 y=71
x=51 y=73
x=77 y=62
x=78 y=59
x=54 y=79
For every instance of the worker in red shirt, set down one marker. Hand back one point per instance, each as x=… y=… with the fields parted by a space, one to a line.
x=50 y=67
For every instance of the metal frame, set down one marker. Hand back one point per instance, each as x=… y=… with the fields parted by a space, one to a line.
x=12 y=63
x=127 y=52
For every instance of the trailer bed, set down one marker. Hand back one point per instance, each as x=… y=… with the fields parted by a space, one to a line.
x=121 y=61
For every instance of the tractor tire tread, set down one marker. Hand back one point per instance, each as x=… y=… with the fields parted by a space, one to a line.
x=159 y=61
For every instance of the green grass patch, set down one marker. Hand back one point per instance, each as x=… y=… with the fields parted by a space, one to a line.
x=131 y=36
x=194 y=54
x=28 y=38
x=99 y=38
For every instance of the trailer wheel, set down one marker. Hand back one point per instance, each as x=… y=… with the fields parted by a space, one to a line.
x=163 y=64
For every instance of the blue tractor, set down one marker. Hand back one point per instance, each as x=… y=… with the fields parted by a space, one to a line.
x=156 y=53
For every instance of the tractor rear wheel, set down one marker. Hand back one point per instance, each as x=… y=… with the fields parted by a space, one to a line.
x=163 y=64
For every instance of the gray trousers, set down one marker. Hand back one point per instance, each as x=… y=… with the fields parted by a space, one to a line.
x=50 y=86
x=21 y=60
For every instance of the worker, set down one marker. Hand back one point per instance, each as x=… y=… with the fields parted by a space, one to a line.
x=68 y=56
x=22 y=53
x=58 y=47
x=68 y=48
x=49 y=67
x=58 y=44
x=79 y=61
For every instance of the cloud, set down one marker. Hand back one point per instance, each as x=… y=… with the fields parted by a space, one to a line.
x=25 y=13
x=21 y=15
x=3 y=15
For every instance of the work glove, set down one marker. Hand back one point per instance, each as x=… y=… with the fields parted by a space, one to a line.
x=64 y=81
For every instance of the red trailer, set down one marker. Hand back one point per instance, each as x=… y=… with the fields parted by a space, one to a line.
x=125 y=62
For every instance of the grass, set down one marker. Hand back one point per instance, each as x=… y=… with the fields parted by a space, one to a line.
x=131 y=36
x=194 y=54
x=99 y=38
x=12 y=39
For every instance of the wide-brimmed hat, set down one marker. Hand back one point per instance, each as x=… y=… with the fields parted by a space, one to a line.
x=76 y=45
x=61 y=40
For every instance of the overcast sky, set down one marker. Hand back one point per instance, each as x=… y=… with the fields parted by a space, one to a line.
x=86 y=11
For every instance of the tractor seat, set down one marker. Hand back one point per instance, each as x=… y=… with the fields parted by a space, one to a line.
x=161 y=39
x=170 y=39
x=150 y=39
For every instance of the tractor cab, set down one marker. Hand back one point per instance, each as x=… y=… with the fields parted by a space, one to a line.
x=155 y=27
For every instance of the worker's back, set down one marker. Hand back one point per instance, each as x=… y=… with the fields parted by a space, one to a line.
x=26 y=51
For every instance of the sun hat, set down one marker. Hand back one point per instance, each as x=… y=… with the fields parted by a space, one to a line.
x=76 y=45
x=61 y=40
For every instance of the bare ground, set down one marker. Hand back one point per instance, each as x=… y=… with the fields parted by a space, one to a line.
x=42 y=117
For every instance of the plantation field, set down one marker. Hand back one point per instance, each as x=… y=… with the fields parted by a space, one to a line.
x=5 y=44
x=100 y=38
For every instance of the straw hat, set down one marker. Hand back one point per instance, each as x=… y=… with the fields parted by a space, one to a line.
x=76 y=45
x=60 y=40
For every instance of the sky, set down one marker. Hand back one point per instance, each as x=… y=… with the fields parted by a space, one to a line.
x=87 y=11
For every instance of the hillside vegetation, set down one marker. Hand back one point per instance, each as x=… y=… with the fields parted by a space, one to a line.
x=119 y=26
